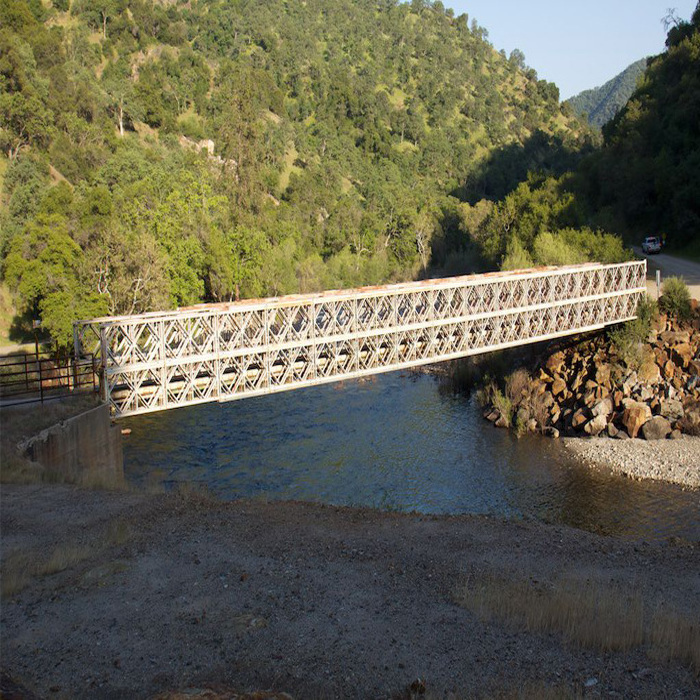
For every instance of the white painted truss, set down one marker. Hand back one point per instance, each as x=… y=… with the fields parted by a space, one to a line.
x=219 y=352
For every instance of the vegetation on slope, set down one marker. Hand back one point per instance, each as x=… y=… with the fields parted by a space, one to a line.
x=601 y=104
x=162 y=154
x=646 y=179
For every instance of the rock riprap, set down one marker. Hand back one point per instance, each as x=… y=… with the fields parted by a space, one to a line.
x=591 y=388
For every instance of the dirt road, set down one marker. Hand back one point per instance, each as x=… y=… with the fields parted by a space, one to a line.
x=131 y=596
x=671 y=266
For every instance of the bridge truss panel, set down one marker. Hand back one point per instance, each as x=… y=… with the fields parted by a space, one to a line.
x=221 y=352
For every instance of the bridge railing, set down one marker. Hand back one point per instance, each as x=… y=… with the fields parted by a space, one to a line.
x=220 y=352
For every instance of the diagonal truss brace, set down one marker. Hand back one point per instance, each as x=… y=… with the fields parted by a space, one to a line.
x=220 y=352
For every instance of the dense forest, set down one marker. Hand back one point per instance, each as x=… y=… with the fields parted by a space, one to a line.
x=643 y=180
x=599 y=105
x=158 y=154
x=646 y=178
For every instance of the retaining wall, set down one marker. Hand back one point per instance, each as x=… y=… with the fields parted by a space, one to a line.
x=83 y=448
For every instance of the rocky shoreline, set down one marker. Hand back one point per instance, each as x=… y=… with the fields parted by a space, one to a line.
x=628 y=401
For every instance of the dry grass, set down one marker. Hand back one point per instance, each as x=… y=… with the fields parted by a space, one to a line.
x=600 y=616
x=517 y=385
x=538 y=691
x=21 y=422
x=19 y=568
x=673 y=636
x=415 y=691
x=529 y=690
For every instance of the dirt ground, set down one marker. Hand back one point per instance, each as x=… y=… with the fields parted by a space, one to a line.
x=118 y=595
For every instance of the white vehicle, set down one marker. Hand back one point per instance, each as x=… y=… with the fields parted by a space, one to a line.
x=652 y=244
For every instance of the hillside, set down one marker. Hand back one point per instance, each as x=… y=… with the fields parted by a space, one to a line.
x=643 y=180
x=601 y=104
x=158 y=154
x=646 y=179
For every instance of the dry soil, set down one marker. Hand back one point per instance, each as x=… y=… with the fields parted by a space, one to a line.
x=130 y=596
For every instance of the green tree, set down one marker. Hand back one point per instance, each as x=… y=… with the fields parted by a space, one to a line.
x=24 y=118
x=43 y=268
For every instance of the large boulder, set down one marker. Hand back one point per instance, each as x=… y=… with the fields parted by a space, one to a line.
x=691 y=421
x=658 y=428
x=672 y=409
x=602 y=408
x=634 y=417
x=597 y=425
x=649 y=372
x=602 y=375
x=558 y=386
x=629 y=383
x=682 y=354
x=579 y=418
x=555 y=363
x=674 y=337
x=502 y=420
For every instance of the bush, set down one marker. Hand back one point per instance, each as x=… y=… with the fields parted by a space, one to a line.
x=675 y=298
x=552 y=249
x=491 y=395
x=629 y=337
x=573 y=246
x=516 y=257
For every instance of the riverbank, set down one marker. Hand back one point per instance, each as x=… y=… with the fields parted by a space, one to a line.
x=675 y=461
x=640 y=380
x=111 y=595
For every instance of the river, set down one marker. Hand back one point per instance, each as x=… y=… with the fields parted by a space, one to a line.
x=399 y=442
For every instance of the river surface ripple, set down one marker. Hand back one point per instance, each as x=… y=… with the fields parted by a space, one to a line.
x=394 y=442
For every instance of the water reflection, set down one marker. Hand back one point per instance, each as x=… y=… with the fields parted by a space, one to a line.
x=394 y=442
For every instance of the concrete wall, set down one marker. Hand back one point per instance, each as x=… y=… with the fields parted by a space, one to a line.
x=85 y=448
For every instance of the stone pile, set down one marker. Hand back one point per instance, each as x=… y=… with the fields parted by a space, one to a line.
x=590 y=389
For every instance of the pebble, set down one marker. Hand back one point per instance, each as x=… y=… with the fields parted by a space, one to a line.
x=677 y=461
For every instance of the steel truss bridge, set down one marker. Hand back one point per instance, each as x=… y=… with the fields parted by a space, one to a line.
x=220 y=352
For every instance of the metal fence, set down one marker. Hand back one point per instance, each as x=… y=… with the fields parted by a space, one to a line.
x=38 y=377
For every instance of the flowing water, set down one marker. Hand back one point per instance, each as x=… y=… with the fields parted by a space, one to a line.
x=394 y=442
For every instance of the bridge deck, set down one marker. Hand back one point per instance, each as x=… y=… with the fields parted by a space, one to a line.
x=220 y=352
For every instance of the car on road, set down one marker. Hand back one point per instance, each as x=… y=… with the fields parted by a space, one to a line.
x=652 y=244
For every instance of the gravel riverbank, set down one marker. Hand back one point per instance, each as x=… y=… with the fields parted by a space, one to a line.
x=677 y=461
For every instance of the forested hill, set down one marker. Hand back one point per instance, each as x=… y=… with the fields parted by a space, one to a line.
x=646 y=179
x=601 y=104
x=162 y=153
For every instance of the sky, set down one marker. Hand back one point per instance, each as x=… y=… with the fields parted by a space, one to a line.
x=577 y=45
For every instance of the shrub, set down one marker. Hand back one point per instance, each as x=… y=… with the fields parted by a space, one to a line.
x=629 y=337
x=675 y=297
x=491 y=395
x=516 y=384
x=516 y=257
x=553 y=249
